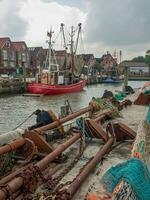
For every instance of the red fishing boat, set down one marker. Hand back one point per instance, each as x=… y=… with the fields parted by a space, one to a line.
x=52 y=80
x=38 y=88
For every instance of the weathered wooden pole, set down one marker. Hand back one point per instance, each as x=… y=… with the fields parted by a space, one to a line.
x=24 y=72
x=126 y=76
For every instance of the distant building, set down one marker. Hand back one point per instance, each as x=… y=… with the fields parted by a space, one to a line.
x=88 y=63
x=107 y=61
x=37 y=58
x=60 y=57
x=136 y=68
x=65 y=63
x=22 y=55
x=7 y=56
x=88 y=59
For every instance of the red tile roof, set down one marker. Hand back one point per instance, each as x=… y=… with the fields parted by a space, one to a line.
x=3 y=41
x=18 y=45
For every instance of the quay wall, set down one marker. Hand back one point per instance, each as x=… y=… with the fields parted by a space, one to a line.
x=12 y=87
x=98 y=80
x=139 y=78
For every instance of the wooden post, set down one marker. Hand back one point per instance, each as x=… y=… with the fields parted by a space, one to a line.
x=24 y=72
x=126 y=75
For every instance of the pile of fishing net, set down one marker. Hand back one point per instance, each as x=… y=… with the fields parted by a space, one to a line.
x=131 y=179
x=10 y=136
x=106 y=104
x=107 y=94
x=129 y=90
x=120 y=95
x=133 y=172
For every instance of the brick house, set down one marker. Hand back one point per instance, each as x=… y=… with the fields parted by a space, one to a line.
x=37 y=58
x=7 y=56
x=108 y=62
x=60 y=57
x=22 y=55
x=88 y=62
x=88 y=59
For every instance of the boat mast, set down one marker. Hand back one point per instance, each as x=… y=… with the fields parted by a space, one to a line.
x=79 y=31
x=72 y=47
x=62 y=29
x=49 y=34
x=72 y=52
x=52 y=61
x=65 y=47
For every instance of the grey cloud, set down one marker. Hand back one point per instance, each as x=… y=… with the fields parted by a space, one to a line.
x=12 y=24
x=77 y=3
x=118 y=22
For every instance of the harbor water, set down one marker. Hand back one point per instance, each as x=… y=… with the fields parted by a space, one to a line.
x=16 y=108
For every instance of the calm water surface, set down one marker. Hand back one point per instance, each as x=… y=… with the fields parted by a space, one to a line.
x=15 y=109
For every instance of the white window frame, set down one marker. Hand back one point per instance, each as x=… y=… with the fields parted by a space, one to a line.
x=5 y=54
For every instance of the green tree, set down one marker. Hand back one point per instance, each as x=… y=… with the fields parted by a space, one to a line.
x=147 y=59
x=138 y=59
x=97 y=67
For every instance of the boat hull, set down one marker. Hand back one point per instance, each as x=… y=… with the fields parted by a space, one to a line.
x=39 y=88
x=111 y=80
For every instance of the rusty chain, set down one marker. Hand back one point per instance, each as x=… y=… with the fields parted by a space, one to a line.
x=62 y=194
x=7 y=191
x=54 y=182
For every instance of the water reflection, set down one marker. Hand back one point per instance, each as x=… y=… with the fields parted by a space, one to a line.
x=14 y=109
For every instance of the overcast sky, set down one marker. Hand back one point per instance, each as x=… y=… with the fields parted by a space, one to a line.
x=108 y=25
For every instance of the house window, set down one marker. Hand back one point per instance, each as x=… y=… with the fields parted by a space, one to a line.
x=5 y=63
x=13 y=56
x=5 y=55
x=28 y=59
x=19 y=56
x=12 y=64
x=23 y=57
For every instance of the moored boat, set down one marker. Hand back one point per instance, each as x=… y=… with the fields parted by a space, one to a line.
x=112 y=80
x=39 y=88
x=54 y=80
